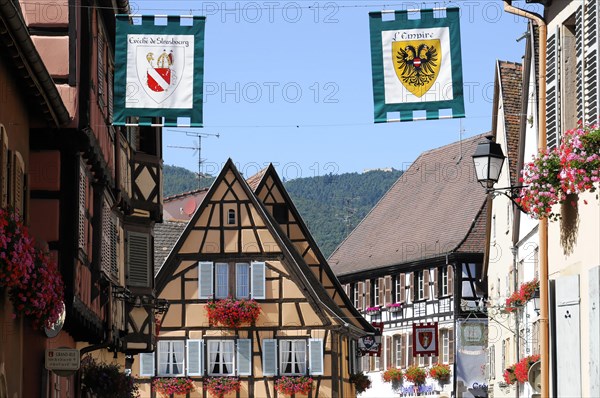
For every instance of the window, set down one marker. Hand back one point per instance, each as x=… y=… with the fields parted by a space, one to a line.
x=355 y=295
x=292 y=357
x=170 y=358
x=445 y=345
x=231 y=217
x=216 y=280
x=492 y=362
x=420 y=285
x=398 y=289
x=221 y=356
x=398 y=360
x=444 y=279
x=376 y=290
x=376 y=363
x=280 y=213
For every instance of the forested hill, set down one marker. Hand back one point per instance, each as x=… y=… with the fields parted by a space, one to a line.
x=331 y=205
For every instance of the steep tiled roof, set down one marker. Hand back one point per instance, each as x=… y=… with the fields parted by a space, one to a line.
x=165 y=237
x=428 y=212
x=511 y=84
x=254 y=180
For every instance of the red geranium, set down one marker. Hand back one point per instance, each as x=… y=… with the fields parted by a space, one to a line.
x=294 y=385
x=168 y=386
x=522 y=367
x=522 y=296
x=17 y=252
x=232 y=313
x=220 y=386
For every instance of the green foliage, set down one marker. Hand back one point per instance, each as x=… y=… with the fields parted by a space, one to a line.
x=330 y=205
x=178 y=180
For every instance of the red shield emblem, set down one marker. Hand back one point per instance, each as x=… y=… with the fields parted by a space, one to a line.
x=160 y=79
x=425 y=339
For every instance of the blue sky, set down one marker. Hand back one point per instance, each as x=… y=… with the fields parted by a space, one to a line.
x=289 y=82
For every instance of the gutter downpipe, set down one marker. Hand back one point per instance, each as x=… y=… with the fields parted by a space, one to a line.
x=543 y=225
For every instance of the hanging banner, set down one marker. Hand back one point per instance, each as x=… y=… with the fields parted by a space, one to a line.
x=159 y=70
x=425 y=338
x=471 y=358
x=416 y=65
x=371 y=344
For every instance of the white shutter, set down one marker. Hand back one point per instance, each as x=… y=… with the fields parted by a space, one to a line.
x=269 y=357
x=194 y=357
x=579 y=49
x=590 y=59
x=244 y=357
x=258 y=280
x=315 y=349
x=553 y=90
x=205 y=279
x=147 y=364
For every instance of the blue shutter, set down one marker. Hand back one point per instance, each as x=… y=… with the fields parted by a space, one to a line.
x=315 y=350
x=258 y=280
x=205 y=280
x=244 y=357
x=269 y=357
x=194 y=357
x=147 y=364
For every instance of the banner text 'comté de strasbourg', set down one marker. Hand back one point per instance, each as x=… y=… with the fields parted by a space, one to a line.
x=159 y=69
x=416 y=61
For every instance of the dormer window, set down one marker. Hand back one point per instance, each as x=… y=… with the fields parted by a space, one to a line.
x=231 y=217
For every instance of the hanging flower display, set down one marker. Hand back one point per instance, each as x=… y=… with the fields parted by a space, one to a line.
x=522 y=367
x=167 y=386
x=416 y=375
x=572 y=168
x=393 y=376
x=440 y=372
x=361 y=382
x=17 y=252
x=103 y=380
x=520 y=297
x=509 y=375
x=394 y=307
x=221 y=386
x=290 y=385
x=232 y=313
x=373 y=310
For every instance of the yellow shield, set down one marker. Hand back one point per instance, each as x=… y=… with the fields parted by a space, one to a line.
x=417 y=64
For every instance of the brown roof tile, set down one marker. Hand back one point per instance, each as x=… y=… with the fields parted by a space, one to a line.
x=511 y=84
x=428 y=212
x=166 y=235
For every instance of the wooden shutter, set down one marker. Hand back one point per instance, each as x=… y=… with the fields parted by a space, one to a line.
x=426 y=288
x=412 y=292
x=138 y=259
x=269 y=361
x=402 y=288
x=361 y=292
x=368 y=302
x=205 y=280
x=3 y=167
x=450 y=279
x=109 y=241
x=244 y=357
x=436 y=285
x=388 y=352
x=590 y=57
x=381 y=293
x=82 y=225
x=553 y=90
x=451 y=346
x=258 y=280
x=147 y=364
x=411 y=358
x=315 y=349
x=100 y=67
x=18 y=178
x=194 y=357
x=110 y=94
x=388 y=289
x=568 y=336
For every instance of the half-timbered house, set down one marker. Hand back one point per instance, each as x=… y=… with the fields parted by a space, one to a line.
x=245 y=241
x=416 y=258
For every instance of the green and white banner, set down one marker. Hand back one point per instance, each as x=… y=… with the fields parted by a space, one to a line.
x=159 y=70
x=416 y=65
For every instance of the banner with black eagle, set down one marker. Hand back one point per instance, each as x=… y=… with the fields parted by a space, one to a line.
x=416 y=65
x=159 y=69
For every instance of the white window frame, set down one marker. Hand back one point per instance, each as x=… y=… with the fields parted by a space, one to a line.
x=376 y=289
x=420 y=286
x=356 y=299
x=220 y=361
x=172 y=347
x=398 y=289
x=398 y=360
x=242 y=284
x=298 y=353
x=221 y=280
x=445 y=357
x=444 y=281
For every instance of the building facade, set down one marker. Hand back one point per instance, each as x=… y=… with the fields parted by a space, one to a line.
x=417 y=258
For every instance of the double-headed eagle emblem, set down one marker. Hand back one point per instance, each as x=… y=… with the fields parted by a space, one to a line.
x=417 y=64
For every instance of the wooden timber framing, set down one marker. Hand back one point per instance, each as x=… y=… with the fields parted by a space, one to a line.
x=242 y=226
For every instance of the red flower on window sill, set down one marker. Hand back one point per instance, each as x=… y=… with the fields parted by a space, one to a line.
x=294 y=385
x=232 y=313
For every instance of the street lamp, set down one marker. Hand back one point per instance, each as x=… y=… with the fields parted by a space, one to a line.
x=536 y=301
x=488 y=160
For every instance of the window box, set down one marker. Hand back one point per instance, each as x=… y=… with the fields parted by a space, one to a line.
x=232 y=313
x=169 y=386
x=394 y=307
x=294 y=385
x=221 y=386
x=373 y=310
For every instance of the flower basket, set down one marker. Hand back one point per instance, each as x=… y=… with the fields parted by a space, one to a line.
x=522 y=367
x=166 y=386
x=394 y=307
x=361 y=382
x=373 y=310
x=218 y=387
x=232 y=313
x=440 y=372
x=294 y=385
x=509 y=375
x=416 y=375
x=395 y=377
x=522 y=296
x=103 y=380
x=572 y=168
x=17 y=252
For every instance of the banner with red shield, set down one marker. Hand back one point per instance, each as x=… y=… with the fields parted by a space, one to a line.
x=371 y=344
x=425 y=339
